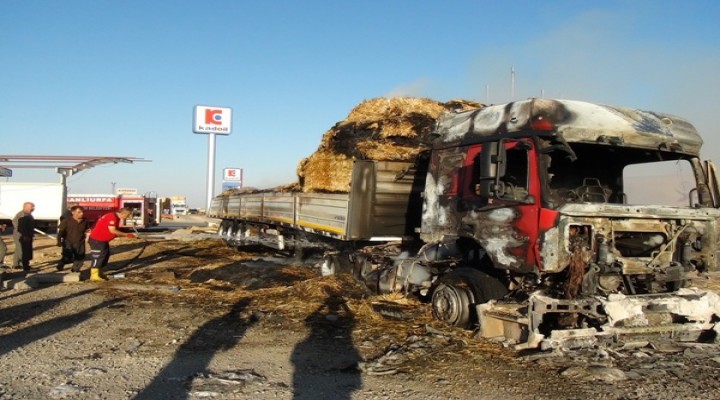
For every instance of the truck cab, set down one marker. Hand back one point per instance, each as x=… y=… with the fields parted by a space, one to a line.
x=540 y=189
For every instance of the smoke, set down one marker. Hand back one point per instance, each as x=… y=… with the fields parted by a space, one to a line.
x=417 y=88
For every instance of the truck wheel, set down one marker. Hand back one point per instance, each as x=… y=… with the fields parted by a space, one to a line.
x=224 y=229
x=232 y=230
x=451 y=302
x=361 y=266
x=329 y=265
x=334 y=264
x=457 y=293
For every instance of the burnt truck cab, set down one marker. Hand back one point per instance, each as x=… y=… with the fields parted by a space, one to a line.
x=539 y=190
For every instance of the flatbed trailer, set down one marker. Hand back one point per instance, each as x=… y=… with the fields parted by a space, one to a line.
x=381 y=206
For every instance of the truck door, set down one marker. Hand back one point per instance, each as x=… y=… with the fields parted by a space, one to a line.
x=500 y=191
x=713 y=182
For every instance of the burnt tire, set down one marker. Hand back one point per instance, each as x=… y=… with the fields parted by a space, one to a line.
x=334 y=264
x=329 y=265
x=223 y=228
x=457 y=293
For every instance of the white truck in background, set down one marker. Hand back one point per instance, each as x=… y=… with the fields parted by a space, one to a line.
x=48 y=199
x=178 y=206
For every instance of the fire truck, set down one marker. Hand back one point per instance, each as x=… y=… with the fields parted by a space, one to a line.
x=144 y=208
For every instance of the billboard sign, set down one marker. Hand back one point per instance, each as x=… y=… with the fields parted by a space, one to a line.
x=5 y=172
x=230 y=185
x=232 y=174
x=207 y=119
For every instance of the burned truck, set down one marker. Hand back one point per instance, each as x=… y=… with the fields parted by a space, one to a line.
x=524 y=221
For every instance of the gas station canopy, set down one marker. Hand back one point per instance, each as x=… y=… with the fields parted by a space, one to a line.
x=65 y=165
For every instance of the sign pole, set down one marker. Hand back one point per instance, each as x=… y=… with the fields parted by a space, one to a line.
x=211 y=121
x=211 y=170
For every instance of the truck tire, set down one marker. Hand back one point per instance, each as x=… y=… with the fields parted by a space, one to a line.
x=328 y=267
x=335 y=263
x=224 y=230
x=457 y=293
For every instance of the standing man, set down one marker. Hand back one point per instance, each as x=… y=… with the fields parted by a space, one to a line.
x=23 y=234
x=3 y=246
x=105 y=230
x=71 y=238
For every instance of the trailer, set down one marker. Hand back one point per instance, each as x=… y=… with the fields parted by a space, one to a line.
x=48 y=199
x=375 y=210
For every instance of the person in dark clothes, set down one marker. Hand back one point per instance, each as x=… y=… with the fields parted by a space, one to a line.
x=3 y=247
x=71 y=237
x=24 y=234
x=68 y=211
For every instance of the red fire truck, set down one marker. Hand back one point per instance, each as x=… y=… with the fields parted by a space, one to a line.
x=144 y=208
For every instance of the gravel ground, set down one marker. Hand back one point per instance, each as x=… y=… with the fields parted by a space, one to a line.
x=195 y=319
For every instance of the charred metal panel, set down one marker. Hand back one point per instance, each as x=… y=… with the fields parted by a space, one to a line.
x=495 y=230
x=440 y=217
x=643 y=239
x=574 y=121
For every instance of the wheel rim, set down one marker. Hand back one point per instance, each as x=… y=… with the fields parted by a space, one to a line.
x=452 y=304
x=221 y=228
x=327 y=267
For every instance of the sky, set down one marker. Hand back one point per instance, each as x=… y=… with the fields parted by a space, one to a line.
x=121 y=78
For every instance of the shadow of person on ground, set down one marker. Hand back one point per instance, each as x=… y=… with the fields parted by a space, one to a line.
x=22 y=312
x=194 y=356
x=25 y=336
x=326 y=361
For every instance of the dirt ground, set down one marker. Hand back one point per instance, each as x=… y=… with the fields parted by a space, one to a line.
x=190 y=319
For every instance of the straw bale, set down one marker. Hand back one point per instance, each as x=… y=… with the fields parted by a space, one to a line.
x=325 y=171
x=388 y=151
x=386 y=108
x=382 y=129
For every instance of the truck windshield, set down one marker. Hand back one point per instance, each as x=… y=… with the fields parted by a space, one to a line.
x=593 y=173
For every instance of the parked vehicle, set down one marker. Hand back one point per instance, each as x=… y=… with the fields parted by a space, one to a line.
x=144 y=209
x=46 y=196
x=518 y=220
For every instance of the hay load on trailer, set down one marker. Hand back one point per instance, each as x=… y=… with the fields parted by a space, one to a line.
x=381 y=129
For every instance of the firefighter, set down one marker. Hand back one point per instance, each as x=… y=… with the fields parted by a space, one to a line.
x=105 y=230
x=71 y=238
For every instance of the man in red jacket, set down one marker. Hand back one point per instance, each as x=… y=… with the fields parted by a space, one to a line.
x=105 y=230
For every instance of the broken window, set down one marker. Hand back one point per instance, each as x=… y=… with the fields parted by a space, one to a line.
x=506 y=177
x=515 y=179
x=668 y=183
x=594 y=173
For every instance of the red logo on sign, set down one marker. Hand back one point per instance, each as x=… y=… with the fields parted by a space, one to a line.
x=213 y=117
x=231 y=173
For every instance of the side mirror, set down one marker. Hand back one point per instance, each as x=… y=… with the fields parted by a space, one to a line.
x=491 y=167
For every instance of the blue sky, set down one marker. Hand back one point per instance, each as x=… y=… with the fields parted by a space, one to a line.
x=121 y=78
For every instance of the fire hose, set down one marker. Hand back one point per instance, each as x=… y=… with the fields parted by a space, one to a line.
x=129 y=262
